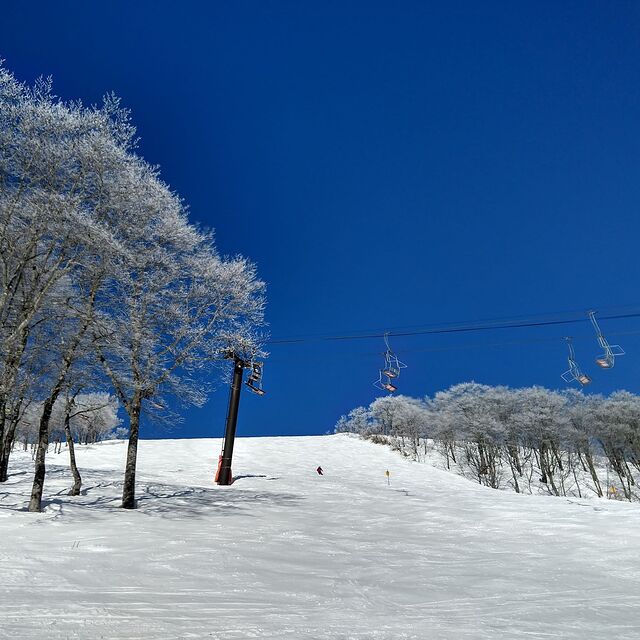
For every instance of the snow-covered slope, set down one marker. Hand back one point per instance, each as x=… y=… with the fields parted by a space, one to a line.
x=286 y=553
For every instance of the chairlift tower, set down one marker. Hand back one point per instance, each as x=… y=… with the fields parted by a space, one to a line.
x=224 y=475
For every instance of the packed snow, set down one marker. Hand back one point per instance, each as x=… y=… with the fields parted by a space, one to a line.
x=287 y=553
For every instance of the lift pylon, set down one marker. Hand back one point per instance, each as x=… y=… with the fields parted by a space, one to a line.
x=223 y=474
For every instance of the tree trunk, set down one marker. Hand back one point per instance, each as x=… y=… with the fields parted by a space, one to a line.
x=592 y=471
x=540 y=460
x=616 y=460
x=11 y=368
x=129 y=489
x=513 y=454
x=575 y=477
x=514 y=472
x=545 y=469
x=3 y=419
x=77 y=478
x=556 y=455
x=43 y=435
x=35 y=504
x=43 y=432
x=584 y=468
x=9 y=436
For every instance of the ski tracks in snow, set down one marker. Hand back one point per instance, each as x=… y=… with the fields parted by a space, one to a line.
x=284 y=553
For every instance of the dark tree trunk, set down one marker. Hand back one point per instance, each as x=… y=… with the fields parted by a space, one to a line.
x=129 y=489
x=514 y=472
x=513 y=454
x=43 y=435
x=556 y=455
x=3 y=419
x=35 y=504
x=616 y=461
x=592 y=471
x=12 y=365
x=545 y=469
x=4 y=457
x=77 y=478
x=9 y=436
x=630 y=478
x=575 y=477
x=540 y=460
x=482 y=460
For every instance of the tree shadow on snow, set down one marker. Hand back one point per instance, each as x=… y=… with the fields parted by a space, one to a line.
x=101 y=493
x=177 y=502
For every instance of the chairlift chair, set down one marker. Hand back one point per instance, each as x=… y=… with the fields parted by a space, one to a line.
x=608 y=359
x=385 y=385
x=390 y=370
x=574 y=372
x=254 y=382
x=257 y=390
x=392 y=364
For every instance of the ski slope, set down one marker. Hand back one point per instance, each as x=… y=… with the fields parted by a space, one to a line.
x=284 y=553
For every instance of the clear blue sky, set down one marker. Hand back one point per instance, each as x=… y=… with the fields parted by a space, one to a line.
x=386 y=164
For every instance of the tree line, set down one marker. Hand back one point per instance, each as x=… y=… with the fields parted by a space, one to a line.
x=529 y=440
x=108 y=294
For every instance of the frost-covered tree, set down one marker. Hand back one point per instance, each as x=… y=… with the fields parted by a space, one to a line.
x=94 y=417
x=401 y=418
x=530 y=439
x=617 y=429
x=582 y=412
x=75 y=418
x=470 y=411
x=174 y=306
x=54 y=161
x=409 y=424
x=541 y=419
x=89 y=417
x=358 y=421
x=53 y=157
x=98 y=262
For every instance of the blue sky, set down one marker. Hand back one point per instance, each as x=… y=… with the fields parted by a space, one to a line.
x=386 y=165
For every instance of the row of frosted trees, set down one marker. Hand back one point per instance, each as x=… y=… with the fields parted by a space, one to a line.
x=105 y=286
x=531 y=439
x=80 y=418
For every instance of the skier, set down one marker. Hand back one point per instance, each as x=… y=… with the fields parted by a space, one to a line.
x=319 y=470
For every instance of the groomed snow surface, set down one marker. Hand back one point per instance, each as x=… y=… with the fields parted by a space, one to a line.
x=287 y=553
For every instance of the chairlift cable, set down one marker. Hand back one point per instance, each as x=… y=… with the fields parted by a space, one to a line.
x=461 y=328
x=457 y=347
